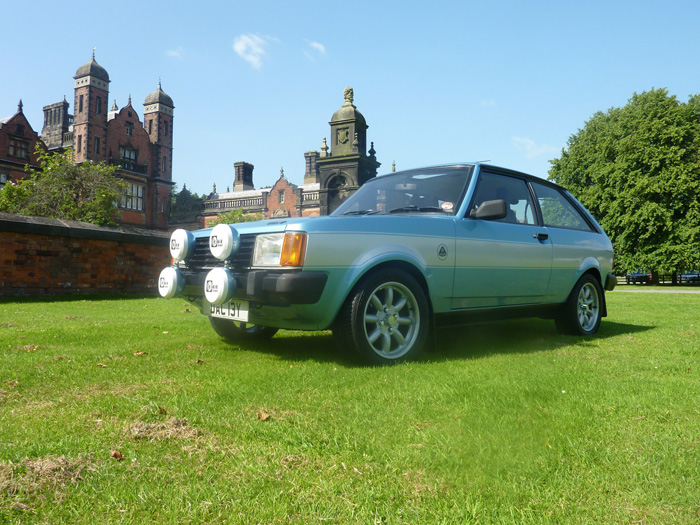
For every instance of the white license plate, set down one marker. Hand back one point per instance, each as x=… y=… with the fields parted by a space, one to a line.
x=234 y=310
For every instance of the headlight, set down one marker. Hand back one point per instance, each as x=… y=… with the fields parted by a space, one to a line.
x=219 y=286
x=280 y=249
x=171 y=283
x=181 y=245
x=224 y=241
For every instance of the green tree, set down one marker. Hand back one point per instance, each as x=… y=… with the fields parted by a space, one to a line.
x=234 y=216
x=62 y=189
x=636 y=169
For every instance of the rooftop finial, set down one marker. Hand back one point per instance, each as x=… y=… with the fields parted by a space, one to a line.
x=159 y=80
x=93 y=52
x=281 y=173
x=349 y=95
x=129 y=103
x=393 y=166
x=20 y=106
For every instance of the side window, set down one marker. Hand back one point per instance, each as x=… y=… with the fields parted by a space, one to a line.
x=557 y=210
x=514 y=191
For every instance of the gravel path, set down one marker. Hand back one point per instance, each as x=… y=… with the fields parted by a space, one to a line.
x=641 y=290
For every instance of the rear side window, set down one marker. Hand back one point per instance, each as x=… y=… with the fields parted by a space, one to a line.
x=557 y=210
x=513 y=191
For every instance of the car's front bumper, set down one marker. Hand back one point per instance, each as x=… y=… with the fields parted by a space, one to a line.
x=270 y=287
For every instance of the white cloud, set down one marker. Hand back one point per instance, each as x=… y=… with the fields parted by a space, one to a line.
x=318 y=47
x=251 y=48
x=315 y=49
x=175 y=53
x=532 y=149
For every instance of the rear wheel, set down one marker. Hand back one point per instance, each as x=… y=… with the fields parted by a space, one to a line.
x=236 y=331
x=582 y=312
x=386 y=318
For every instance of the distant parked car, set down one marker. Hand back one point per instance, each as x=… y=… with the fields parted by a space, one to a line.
x=638 y=276
x=406 y=253
x=692 y=276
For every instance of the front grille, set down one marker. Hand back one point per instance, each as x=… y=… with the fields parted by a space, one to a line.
x=203 y=258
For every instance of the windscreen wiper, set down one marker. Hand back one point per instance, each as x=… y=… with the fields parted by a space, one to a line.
x=413 y=208
x=361 y=212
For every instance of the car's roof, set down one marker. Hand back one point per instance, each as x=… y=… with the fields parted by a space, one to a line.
x=479 y=165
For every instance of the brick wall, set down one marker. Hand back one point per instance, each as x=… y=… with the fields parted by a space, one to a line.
x=40 y=256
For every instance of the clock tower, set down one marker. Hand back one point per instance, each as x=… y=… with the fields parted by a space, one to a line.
x=348 y=165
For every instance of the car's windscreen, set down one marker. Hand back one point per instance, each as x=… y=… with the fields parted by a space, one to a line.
x=434 y=190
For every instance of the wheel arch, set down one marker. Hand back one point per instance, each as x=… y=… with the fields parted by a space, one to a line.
x=393 y=264
x=595 y=273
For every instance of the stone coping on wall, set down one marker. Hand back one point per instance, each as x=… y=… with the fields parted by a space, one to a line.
x=45 y=226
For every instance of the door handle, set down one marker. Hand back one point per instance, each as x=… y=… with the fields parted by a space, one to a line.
x=541 y=236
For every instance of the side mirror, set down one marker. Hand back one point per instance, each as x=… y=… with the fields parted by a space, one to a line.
x=490 y=211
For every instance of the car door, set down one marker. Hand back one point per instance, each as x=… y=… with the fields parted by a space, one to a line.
x=504 y=262
x=574 y=239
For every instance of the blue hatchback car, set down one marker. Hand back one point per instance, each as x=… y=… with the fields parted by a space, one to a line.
x=406 y=253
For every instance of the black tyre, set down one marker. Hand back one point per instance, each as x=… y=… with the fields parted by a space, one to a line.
x=583 y=310
x=385 y=319
x=235 y=331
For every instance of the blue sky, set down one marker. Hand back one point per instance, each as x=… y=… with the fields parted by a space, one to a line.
x=437 y=82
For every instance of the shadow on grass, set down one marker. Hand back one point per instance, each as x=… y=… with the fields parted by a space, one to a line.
x=294 y=345
x=459 y=343
x=516 y=337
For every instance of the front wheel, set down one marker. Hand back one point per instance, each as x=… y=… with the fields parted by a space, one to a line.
x=582 y=312
x=386 y=318
x=236 y=331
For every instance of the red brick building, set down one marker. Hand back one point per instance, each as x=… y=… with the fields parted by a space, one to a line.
x=141 y=151
x=17 y=143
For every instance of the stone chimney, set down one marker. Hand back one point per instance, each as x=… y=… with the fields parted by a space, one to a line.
x=244 y=177
x=311 y=173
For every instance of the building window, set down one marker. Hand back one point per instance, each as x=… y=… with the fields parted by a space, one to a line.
x=19 y=129
x=98 y=105
x=129 y=128
x=165 y=164
x=127 y=154
x=150 y=127
x=280 y=196
x=165 y=128
x=18 y=148
x=97 y=144
x=133 y=199
x=3 y=180
x=80 y=104
x=79 y=143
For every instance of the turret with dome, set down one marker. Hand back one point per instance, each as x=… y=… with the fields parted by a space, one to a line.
x=347 y=166
x=159 y=97
x=93 y=69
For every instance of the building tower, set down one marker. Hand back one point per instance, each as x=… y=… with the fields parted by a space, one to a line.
x=158 y=121
x=90 y=108
x=347 y=166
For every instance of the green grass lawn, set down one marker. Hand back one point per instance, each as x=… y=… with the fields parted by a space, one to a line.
x=508 y=422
